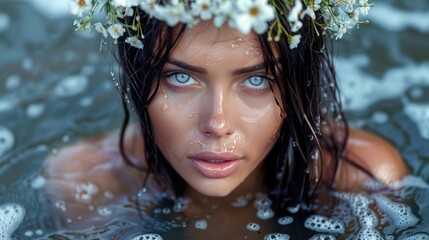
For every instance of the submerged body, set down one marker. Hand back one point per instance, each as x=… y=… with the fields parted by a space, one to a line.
x=216 y=116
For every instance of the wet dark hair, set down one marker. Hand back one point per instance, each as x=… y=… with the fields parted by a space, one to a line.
x=309 y=94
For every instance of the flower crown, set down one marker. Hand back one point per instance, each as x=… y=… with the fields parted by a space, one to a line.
x=243 y=15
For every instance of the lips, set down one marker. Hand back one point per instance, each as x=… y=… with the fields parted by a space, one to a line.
x=215 y=165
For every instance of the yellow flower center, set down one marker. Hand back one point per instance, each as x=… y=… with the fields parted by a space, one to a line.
x=81 y=3
x=254 y=11
x=204 y=7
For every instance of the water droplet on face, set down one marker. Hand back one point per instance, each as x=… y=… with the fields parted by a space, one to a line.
x=165 y=106
x=234 y=45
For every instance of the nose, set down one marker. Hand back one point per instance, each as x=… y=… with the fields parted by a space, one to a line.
x=216 y=119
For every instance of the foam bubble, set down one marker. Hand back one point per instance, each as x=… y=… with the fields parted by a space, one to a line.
x=400 y=213
x=285 y=220
x=85 y=191
x=11 y=215
x=368 y=233
x=265 y=213
x=201 y=224
x=253 y=227
x=147 y=236
x=419 y=113
x=7 y=104
x=240 y=202
x=360 y=205
x=104 y=211
x=71 y=86
x=321 y=223
x=38 y=182
x=7 y=140
x=322 y=237
x=418 y=236
x=12 y=81
x=35 y=110
x=4 y=22
x=276 y=236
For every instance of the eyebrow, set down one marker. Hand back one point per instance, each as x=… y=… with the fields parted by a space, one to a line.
x=197 y=69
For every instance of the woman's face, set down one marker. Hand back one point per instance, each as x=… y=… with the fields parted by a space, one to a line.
x=215 y=117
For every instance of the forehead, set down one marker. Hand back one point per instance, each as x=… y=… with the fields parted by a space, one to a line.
x=205 y=40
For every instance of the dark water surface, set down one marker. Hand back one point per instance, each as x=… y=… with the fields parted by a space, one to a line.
x=55 y=89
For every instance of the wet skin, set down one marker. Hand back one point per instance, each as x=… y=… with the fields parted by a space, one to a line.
x=213 y=103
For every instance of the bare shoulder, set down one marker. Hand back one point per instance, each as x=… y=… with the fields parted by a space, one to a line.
x=92 y=172
x=373 y=154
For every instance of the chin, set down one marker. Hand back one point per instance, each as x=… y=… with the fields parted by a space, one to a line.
x=214 y=191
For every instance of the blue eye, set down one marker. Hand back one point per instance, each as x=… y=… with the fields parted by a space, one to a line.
x=258 y=82
x=180 y=79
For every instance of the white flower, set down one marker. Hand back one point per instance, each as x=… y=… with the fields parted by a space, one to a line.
x=342 y=29
x=223 y=12
x=311 y=9
x=116 y=30
x=293 y=17
x=364 y=7
x=77 y=7
x=255 y=14
x=294 y=41
x=134 y=41
x=125 y=3
x=83 y=23
x=100 y=28
x=294 y=13
x=174 y=13
x=150 y=7
x=203 y=9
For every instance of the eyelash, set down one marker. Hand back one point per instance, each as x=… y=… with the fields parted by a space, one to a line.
x=172 y=79
x=176 y=82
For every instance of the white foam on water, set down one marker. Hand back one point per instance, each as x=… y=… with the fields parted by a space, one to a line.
x=11 y=216
x=368 y=234
x=253 y=227
x=12 y=82
x=85 y=191
x=285 y=220
x=8 y=103
x=35 y=110
x=419 y=113
x=360 y=90
x=7 y=140
x=276 y=236
x=4 y=22
x=324 y=224
x=400 y=213
x=394 y=19
x=104 y=211
x=265 y=213
x=71 y=86
x=201 y=224
x=411 y=181
x=418 y=236
x=322 y=237
x=38 y=182
x=366 y=217
x=147 y=236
